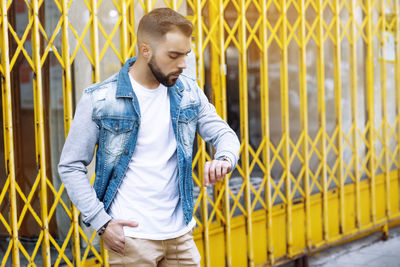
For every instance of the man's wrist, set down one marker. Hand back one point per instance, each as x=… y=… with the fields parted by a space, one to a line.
x=103 y=228
x=226 y=159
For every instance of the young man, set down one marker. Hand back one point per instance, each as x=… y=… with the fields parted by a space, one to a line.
x=143 y=120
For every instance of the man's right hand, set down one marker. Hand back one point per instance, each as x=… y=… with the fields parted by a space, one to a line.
x=114 y=236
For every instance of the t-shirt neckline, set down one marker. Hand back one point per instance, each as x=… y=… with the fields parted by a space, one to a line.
x=142 y=89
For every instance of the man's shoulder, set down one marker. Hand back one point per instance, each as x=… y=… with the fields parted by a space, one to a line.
x=102 y=94
x=190 y=92
x=109 y=84
x=188 y=83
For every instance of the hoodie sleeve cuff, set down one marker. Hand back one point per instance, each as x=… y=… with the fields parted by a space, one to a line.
x=229 y=157
x=100 y=219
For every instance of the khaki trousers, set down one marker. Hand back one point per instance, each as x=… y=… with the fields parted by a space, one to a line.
x=180 y=251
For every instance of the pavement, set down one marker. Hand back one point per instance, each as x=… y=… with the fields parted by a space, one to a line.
x=369 y=251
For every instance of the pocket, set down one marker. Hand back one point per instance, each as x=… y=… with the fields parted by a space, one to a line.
x=113 y=254
x=187 y=115
x=115 y=258
x=115 y=134
x=188 y=251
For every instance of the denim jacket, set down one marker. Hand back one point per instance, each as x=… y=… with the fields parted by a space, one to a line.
x=108 y=116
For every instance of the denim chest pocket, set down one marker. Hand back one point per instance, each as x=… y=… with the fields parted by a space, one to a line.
x=115 y=134
x=187 y=122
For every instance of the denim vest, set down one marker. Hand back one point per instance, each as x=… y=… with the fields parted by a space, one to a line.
x=117 y=115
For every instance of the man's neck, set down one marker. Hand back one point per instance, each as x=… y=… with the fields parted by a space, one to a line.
x=142 y=74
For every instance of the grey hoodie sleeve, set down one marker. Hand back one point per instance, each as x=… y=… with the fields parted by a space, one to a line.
x=216 y=131
x=77 y=153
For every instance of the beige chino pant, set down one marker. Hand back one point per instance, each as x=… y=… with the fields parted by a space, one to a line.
x=180 y=251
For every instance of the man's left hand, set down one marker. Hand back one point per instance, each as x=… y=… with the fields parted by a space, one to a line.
x=215 y=171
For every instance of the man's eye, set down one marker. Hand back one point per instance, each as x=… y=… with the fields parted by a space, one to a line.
x=173 y=57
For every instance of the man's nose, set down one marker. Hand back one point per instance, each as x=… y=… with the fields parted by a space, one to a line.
x=182 y=63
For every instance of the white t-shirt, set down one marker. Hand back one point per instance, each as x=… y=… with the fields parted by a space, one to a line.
x=149 y=192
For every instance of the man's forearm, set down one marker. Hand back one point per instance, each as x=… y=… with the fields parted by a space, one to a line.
x=83 y=196
x=77 y=153
x=217 y=132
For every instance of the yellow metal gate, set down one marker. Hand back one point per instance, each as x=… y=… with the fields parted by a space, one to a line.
x=312 y=88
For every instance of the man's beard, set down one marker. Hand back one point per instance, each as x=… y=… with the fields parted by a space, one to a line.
x=161 y=77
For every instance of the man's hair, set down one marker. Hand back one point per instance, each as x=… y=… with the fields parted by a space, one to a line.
x=158 y=22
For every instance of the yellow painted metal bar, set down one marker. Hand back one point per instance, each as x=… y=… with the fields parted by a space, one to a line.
x=217 y=69
x=304 y=119
x=354 y=106
x=218 y=85
x=8 y=130
x=339 y=120
x=68 y=115
x=200 y=142
x=94 y=41
x=265 y=127
x=285 y=126
x=370 y=103
x=132 y=38
x=397 y=69
x=244 y=127
x=224 y=114
x=39 y=133
x=228 y=227
x=173 y=5
x=147 y=5
x=67 y=93
x=204 y=202
x=223 y=68
x=322 y=117
x=75 y=236
x=124 y=31
x=385 y=229
x=384 y=107
x=215 y=64
x=216 y=81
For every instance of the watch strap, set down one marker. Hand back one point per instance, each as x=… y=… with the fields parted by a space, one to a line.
x=103 y=228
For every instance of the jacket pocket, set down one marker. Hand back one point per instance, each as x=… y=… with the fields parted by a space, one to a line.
x=187 y=115
x=115 y=134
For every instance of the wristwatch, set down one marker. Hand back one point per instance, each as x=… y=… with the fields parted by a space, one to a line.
x=226 y=159
x=103 y=228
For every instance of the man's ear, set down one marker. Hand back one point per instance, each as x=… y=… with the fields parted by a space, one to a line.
x=145 y=50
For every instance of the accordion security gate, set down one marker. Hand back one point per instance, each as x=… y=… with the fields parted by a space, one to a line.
x=316 y=90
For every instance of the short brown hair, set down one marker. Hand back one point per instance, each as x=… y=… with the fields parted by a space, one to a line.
x=159 y=21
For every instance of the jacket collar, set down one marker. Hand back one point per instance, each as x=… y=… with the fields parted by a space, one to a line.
x=124 y=87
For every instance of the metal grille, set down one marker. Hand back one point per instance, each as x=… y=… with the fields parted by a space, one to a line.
x=311 y=85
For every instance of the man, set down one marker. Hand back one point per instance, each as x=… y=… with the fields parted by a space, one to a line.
x=143 y=120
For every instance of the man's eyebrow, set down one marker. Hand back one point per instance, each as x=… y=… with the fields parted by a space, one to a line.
x=179 y=53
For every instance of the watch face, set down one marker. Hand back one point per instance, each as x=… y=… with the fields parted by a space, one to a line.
x=103 y=228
